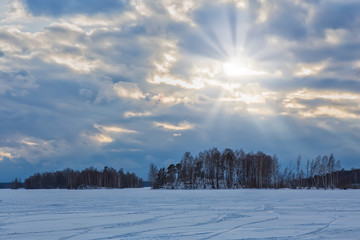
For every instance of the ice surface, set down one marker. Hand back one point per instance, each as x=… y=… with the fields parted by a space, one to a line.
x=179 y=214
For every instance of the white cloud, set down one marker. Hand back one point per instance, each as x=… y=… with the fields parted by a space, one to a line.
x=108 y=134
x=328 y=111
x=246 y=98
x=263 y=12
x=16 y=12
x=180 y=127
x=28 y=142
x=110 y=91
x=171 y=80
x=101 y=138
x=137 y=114
x=4 y=154
x=113 y=129
x=75 y=62
x=128 y=90
x=34 y=149
x=237 y=3
x=334 y=104
x=172 y=100
x=308 y=94
x=141 y=7
x=335 y=36
x=162 y=72
x=179 y=10
x=307 y=69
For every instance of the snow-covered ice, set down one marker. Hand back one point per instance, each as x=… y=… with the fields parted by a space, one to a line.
x=179 y=214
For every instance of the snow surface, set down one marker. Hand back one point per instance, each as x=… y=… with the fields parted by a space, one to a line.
x=179 y=214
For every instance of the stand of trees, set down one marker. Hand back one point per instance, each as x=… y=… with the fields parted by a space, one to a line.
x=87 y=178
x=212 y=169
x=16 y=184
x=215 y=169
x=6 y=185
x=321 y=172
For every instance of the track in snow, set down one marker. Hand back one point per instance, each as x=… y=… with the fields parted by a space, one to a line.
x=177 y=214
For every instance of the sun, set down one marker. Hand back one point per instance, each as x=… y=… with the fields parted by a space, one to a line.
x=240 y=67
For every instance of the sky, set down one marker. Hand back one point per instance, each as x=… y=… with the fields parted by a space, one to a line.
x=126 y=83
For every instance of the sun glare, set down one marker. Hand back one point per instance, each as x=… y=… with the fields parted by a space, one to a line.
x=240 y=68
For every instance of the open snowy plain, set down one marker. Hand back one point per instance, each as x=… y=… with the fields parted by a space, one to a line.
x=179 y=214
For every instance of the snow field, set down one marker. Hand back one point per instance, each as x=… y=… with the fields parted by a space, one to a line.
x=179 y=214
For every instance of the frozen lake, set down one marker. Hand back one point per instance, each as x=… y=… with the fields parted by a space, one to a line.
x=177 y=214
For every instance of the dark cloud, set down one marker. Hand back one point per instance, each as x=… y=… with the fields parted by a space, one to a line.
x=57 y=84
x=288 y=21
x=21 y=170
x=16 y=82
x=337 y=14
x=56 y=8
x=219 y=29
x=344 y=51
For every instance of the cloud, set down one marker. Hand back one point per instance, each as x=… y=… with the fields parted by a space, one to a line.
x=237 y=3
x=294 y=28
x=109 y=133
x=259 y=74
x=180 y=127
x=77 y=63
x=33 y=150
x=309 y=69
x=336 y=15
x=179 y=10
x=235 y=68
x=309 y=103
x=171 y=80
x=4 y=154
x=69 y=7
x=87 y=93
x=110 y=91
x=16 y=82
x=106 y=92
x=113 y=129
x=328 y=111
x=101 y=138
x=136 y=114
x=128 y=90
x=16 y=12
x=163 y=67
x=171 y=100
x=28 y=142
x=335 y=37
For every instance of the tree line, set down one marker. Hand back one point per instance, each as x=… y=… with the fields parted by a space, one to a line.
x=87 y=178
x=213 y=169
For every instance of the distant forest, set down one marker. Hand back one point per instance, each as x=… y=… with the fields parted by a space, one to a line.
x=87 y=178
x=212 y=169
x=209 y=169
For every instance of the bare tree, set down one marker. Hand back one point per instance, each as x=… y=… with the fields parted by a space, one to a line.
x=153 y=171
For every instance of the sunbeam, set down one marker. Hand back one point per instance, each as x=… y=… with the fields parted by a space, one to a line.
x=130 y=82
